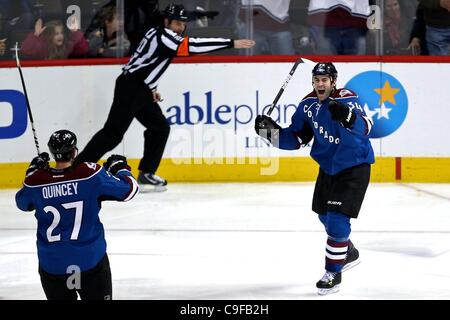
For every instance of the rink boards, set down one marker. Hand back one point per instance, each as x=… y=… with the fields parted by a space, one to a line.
x=212 y=107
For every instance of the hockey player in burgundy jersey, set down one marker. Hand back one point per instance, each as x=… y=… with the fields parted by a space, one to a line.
x=67 y=200
x=340 y=127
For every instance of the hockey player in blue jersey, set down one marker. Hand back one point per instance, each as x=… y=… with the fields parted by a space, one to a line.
x=67 y=199
x=341 y=147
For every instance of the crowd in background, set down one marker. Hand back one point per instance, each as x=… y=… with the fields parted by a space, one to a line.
x=49 y=29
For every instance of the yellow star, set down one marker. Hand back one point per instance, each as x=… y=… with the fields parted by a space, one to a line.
x=387 y=93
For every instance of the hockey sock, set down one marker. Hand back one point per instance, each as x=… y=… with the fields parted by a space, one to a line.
x=335 y=254
x=338 y=230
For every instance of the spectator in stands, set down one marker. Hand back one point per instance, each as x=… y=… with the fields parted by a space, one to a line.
x=16 y=20
x=109 y=40
x=271 y=29
x=3 y=38
x=417 y=38
x=338 y=26
x=396 y=22
x=17 y=13
x=139 y=15
x=437 y=20
x=2 y=48
x=51 y=41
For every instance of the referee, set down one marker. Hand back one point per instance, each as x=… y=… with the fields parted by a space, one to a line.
x=136 y=95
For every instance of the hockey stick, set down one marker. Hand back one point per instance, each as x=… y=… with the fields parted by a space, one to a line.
x=26 y=98
x=291 y=73
x=280 y=92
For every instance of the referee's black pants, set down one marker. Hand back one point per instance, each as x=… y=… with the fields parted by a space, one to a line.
x=132 y=99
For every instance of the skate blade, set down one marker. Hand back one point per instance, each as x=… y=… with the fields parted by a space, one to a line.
x=146 y=188
x=324 y=292
x=350 y=265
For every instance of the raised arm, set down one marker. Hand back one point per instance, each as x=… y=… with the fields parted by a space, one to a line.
x=117 y=182
x=351 y=115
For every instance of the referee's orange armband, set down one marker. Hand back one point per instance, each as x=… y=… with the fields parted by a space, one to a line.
x=183 y=48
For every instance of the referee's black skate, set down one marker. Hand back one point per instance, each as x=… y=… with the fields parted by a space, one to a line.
x=352 y=257
x=149 y=182
x=329 y=283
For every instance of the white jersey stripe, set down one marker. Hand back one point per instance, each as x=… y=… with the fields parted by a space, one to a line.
x=159 y=47
x=169 y=43
x=369 y=124
x=153 y=74
x=135 y=189
x=140 y=62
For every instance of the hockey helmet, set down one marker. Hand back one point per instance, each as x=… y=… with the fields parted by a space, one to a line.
x=325 y=68
x=176 y=12
x=61 y=145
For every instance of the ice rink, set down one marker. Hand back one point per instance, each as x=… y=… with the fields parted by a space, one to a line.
x=251 y=241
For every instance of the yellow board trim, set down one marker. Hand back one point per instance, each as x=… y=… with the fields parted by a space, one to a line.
x=263 y=170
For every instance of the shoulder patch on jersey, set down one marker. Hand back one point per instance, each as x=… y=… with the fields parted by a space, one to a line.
x=312 y=94
x=91 y=165
x=343 y=93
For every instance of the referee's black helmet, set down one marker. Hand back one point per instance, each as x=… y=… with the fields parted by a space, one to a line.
x=176 y=12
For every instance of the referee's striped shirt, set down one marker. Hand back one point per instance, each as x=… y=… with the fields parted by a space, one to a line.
x=160 y=45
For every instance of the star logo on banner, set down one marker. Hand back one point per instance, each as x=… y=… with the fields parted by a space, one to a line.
x=387 y=93
x=383 y=112
x=383 y=99
x=369 y=112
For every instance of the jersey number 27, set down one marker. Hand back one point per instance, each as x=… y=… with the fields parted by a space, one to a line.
x=78 y=206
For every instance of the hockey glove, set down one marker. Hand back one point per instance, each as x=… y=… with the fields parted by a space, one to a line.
x=39 y=162
x=267 y=128
x=115 y=163
x=306 y=134
x=342 y=113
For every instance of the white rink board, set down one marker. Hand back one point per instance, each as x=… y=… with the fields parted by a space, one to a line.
x=79 y=97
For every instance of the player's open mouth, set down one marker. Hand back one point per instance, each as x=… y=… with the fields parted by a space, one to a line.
x=321 y=91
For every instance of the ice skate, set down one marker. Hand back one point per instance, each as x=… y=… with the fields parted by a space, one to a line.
x=149 y=182
x=352 y=258
x=329 y=283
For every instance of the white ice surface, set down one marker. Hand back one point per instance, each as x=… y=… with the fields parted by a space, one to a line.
x=251 y=241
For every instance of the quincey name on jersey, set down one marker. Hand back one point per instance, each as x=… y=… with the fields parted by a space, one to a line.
x=67 y=203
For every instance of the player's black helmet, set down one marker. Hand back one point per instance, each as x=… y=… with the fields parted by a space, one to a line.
x=176 y=12
x=61 y=145
x=325 y=68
